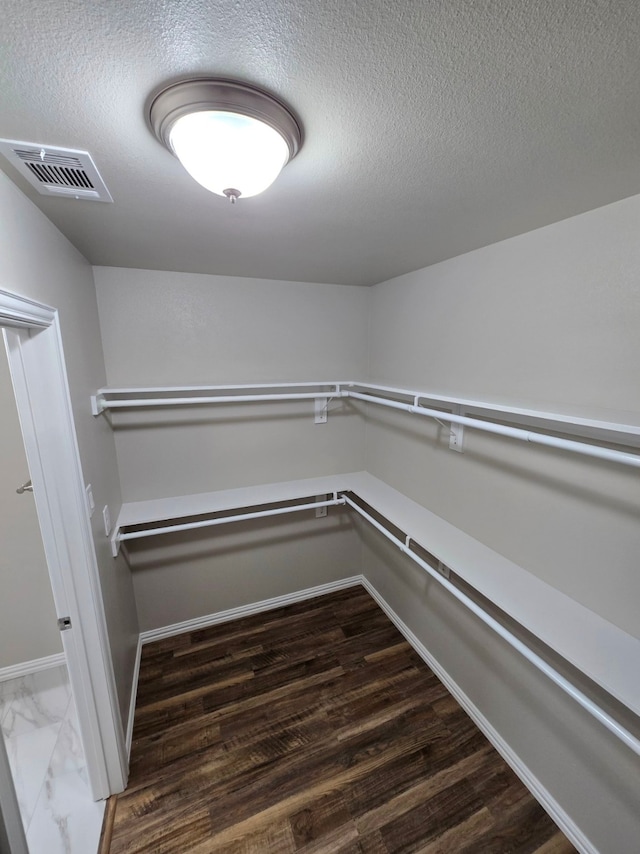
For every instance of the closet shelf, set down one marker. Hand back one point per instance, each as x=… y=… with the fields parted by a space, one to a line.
x=597 y=648
x=553 y=429
x=158 y=510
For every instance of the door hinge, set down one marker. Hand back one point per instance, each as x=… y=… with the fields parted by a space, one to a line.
x=64 y=623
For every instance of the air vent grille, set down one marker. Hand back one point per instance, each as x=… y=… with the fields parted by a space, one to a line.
x=57 y=171
x=62 y=175
x=42 y=155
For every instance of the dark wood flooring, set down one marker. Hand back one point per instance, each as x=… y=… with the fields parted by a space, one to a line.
x=313 y=728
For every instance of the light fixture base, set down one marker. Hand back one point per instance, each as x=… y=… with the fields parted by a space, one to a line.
x=232 y=195
x=209 y=94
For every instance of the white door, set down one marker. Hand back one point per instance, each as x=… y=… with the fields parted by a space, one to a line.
x=29 y=636
x=38 y=372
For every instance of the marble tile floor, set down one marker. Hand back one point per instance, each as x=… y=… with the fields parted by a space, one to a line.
x=39 y=725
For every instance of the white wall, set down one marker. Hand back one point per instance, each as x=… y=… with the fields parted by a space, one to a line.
x=163 y=328
x=38 y=262
x=547 y=318
x=550 y=318
x=28 y=627
x=184 y=329
x=178 y=328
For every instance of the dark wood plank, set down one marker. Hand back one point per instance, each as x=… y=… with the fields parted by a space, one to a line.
x=313 y=729
x=106 y=833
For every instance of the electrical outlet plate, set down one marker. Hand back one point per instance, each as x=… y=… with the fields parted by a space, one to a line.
x=91 y=504
x=107 y=520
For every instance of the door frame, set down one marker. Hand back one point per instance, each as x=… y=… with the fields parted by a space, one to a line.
x=12 y=837
x=36 y=362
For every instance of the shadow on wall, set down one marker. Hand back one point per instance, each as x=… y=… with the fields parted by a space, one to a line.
x=234 y=539
x=535 y=466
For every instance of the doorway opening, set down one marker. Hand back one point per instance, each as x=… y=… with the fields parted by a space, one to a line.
x=38 y=374
x=38 y=716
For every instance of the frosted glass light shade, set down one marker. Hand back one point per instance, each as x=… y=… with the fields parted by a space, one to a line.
x=233 y=138
x=227 y=151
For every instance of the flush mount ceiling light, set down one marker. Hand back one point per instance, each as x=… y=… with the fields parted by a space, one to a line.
x=232 y=138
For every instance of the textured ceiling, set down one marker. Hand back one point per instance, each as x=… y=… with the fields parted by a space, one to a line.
x=432 y=127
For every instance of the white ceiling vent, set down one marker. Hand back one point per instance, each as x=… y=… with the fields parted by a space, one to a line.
x=57 y=171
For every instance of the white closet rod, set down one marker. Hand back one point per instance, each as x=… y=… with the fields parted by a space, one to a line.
x=240 y=517
x=229 y=398
x=180 y=388
x=503 y=430
x=587 y=704
x=327 y=390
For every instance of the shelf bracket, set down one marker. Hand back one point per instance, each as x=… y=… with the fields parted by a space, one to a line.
x=321 y=511
x=320 y=410
x=115 y=541
x=97 y=404
x=456 y=435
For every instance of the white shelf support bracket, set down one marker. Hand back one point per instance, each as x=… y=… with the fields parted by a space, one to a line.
x=320 y=410
x=456 y=436
x=97 y=404
x=115 y=541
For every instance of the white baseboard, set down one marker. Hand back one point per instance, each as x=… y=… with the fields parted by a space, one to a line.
x=247 y=610
x=225 y=617
x=540 y=793
x=16 y=671
x=132 y=701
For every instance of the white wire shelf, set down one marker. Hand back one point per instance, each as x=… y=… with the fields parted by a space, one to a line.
x=552 y=429
x=600 y=650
